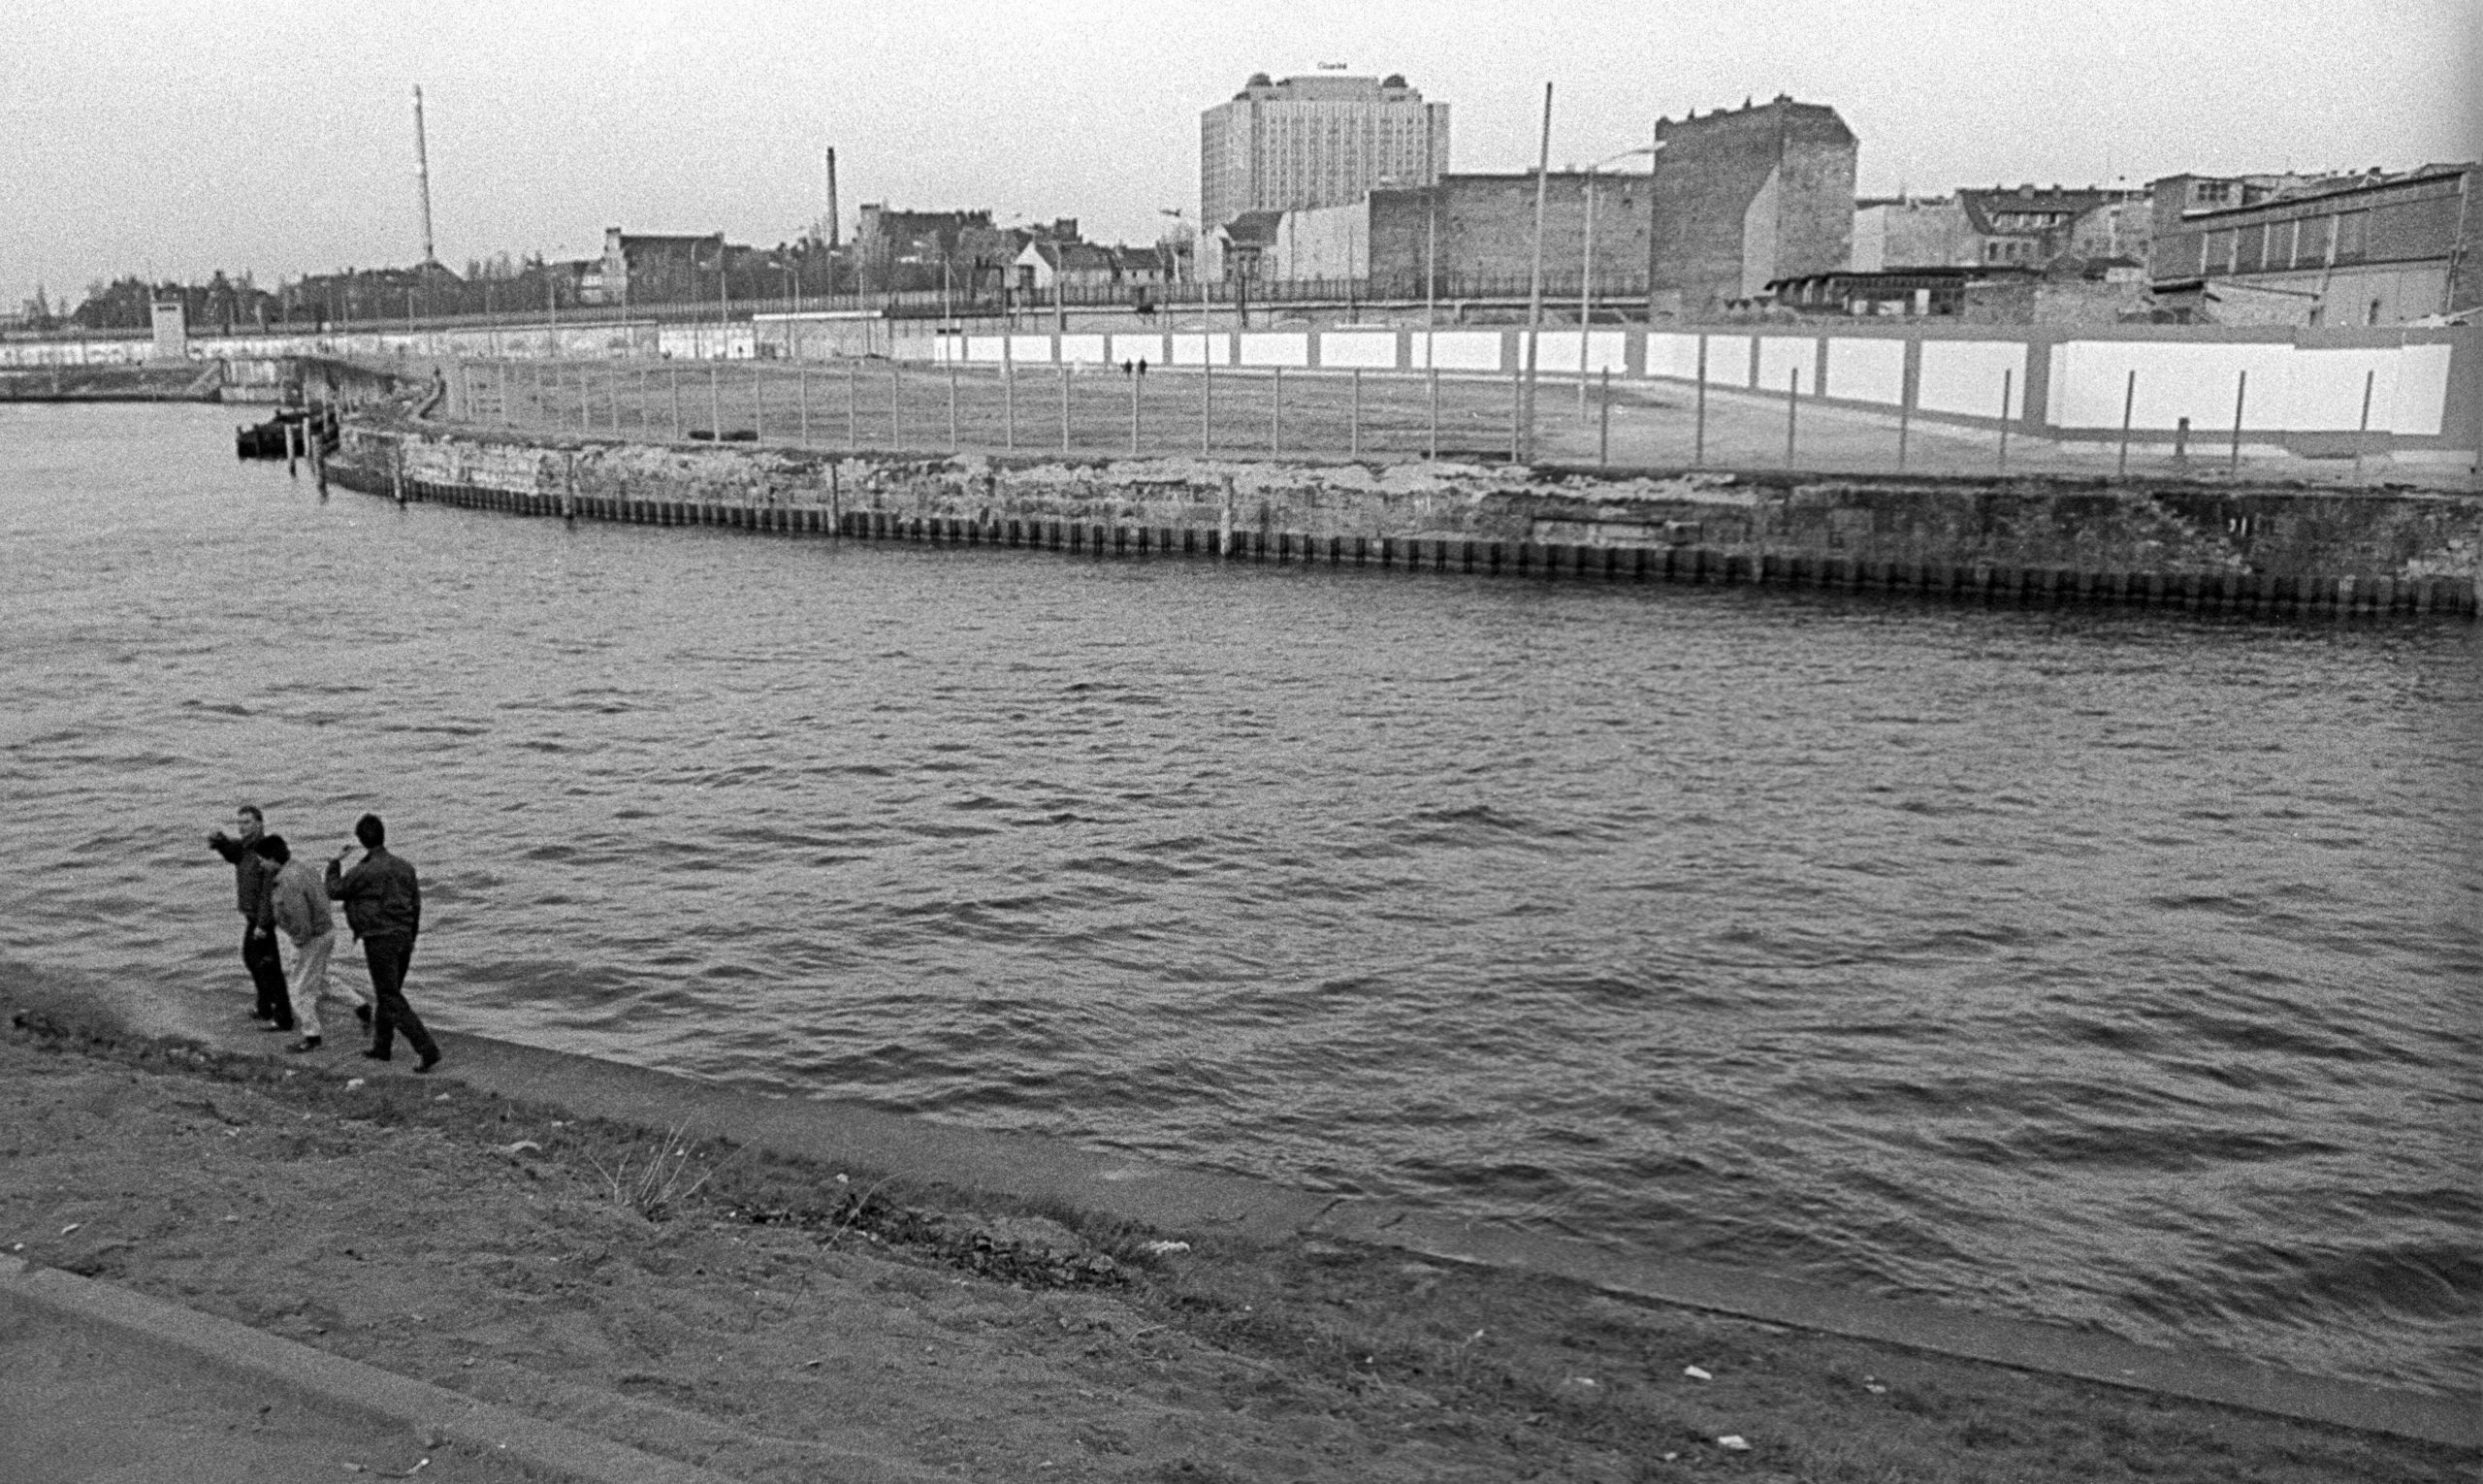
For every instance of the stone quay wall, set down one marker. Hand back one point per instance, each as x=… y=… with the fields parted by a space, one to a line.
x=2258 y=549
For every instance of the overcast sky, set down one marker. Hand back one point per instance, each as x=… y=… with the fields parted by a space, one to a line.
x=180 y=137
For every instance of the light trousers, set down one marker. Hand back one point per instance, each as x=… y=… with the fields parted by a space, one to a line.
x=307 y=979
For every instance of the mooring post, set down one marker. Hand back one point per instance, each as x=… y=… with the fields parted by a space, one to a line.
x=291 y=439
x=1698 y=436
x=2240 y=390
x=1603 y=417
x=2129 y=405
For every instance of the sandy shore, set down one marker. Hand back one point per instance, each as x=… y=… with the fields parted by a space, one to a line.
x=784 y=1323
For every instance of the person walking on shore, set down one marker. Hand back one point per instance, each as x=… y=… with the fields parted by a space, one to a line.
x=251 y=875
x=384 y=906
x=299 y=903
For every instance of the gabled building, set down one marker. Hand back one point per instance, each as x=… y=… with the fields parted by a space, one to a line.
x=2028 y=226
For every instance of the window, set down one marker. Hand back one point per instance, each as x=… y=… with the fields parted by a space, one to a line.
x=2353 y=236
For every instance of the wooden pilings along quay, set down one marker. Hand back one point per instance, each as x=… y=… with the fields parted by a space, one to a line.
x=2234 y=591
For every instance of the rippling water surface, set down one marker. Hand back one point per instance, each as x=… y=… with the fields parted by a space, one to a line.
x=2116 y=968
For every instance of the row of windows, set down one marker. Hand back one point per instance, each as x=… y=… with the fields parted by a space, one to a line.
x=2309 y=242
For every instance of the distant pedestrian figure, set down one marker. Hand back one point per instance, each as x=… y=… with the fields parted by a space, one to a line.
x=299 y=904
x=251 y=876
x=384 y=907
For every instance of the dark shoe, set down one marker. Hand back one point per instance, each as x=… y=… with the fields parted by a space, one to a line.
x=361 y=1013
x=277 y=1026
x=376 y=1055
x=305 y=1043
x=427 y=1063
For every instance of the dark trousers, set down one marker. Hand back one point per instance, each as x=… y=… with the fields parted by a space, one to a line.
x=389 y=959
x=266 y=974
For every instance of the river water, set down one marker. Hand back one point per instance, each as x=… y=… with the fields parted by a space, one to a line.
x=2116 y=968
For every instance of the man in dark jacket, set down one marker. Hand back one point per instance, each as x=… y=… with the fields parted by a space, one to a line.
x=251 y=876
x=384 y=908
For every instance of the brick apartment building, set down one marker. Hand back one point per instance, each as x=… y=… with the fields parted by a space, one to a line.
x=1747 y=196
x=2372 y=249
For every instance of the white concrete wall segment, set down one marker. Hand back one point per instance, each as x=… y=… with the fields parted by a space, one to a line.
x=1203 y=349
x=1359 y=349
x=1860 y=369
x=1563 y=352
x=2421 y=408
x=1460 y=350
x=334 y=1383
x=1729 y=360
x=1030 y=347
x=1136 y=347
x=1081 y=350
x=1269 y=347
x=1969 y=376
x=1672 y=355
x=1784 y=356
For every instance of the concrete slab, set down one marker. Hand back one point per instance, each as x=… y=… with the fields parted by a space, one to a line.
x=213 y=1371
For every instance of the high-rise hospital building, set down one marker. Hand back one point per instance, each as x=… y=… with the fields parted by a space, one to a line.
x=1324 y=140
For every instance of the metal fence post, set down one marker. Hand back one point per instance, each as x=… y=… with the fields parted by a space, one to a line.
x=1064 y=404
x=1517 y=407
x=1699 y=437
x=1434 y=446
x=1275 y=410
x=1603 y=418
x=1134 y=380
x=802 y=406
x=1905 y=412
x=2240 y=390
x=1793 y=402
x=714 y=401
x=758 y=403
x=2362 y=434
x=1353 y=417
x=645 y=418
x=896 y=403
x=2129 y=405
x=1206 y=400
x=854 y=404
x=676 y=404
x=953 y=400
x=2007 y=378
x=1008 y=398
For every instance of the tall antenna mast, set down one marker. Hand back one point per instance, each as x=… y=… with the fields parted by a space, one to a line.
x=422 y=175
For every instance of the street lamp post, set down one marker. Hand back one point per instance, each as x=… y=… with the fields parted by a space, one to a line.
x=1586 y=269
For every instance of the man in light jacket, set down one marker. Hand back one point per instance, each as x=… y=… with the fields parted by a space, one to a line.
x=298 y=902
